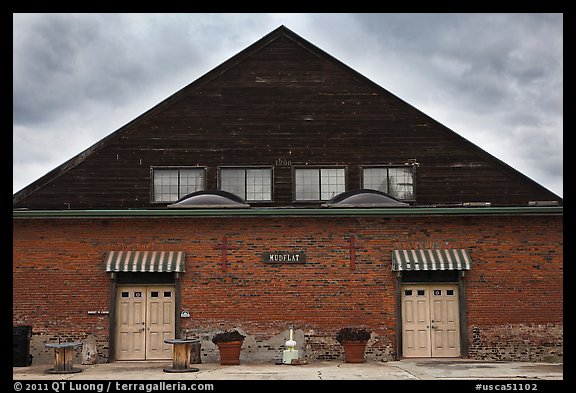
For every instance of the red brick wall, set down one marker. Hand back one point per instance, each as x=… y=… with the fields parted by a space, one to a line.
x=516 y=276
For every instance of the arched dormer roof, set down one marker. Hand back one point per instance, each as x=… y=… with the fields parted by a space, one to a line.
x=364 y=198
x=209 y=199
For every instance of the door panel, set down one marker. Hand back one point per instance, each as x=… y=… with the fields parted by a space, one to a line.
x=416 y=322
x=144 y=319
x=430 y=320
x=130 y=337
x=160 y=322
x=445 y=321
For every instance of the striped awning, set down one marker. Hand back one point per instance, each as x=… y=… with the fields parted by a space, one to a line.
x=451 y=259
x=145 y=261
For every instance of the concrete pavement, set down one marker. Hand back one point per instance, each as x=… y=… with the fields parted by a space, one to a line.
x=421 y=369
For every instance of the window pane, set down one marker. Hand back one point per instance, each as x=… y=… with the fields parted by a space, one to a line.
x=401 y=183
x=172 y=184
x=191 y=180
x=307 y=184
x=376 y=179
x=165 y=185
x=332 y=183
x=258 y=184
x=233 y=180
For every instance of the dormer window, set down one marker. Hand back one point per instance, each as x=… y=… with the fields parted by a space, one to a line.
x=395 y=181
x=318 y=184
x=171 y=184
x=250 y=184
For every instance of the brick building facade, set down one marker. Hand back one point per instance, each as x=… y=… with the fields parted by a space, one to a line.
x=460 y=234
x=513 y=297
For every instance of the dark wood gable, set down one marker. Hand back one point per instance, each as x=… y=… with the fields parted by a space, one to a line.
x=280 y=103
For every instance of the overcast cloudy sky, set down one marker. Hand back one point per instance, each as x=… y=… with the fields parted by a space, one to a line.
x=496 y=79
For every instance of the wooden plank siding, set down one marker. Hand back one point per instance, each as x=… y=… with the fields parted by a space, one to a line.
x=281 y=98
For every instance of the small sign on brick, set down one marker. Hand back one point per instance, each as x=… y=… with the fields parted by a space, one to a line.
x=284 y=257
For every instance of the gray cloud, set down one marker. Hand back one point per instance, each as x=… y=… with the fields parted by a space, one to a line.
x=496 y=79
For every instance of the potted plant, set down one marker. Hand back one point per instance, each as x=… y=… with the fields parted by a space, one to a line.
x=229 y=344
x=354 y=342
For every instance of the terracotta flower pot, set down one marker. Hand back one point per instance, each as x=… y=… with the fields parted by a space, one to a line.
x=354 y=351
x=230 y=353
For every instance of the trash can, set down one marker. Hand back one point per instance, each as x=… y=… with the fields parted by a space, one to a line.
x=21 y=346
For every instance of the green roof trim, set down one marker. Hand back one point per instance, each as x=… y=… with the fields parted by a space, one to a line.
x=294 y=212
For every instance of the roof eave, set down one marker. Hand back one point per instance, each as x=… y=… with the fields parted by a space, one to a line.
x=292 y=212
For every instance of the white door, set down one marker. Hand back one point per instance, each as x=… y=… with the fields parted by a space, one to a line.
x=444 y=321
x=430 y=320
x=159 y=322
x=144 y=319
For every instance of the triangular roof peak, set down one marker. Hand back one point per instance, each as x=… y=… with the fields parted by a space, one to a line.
x=405 y=117
x=281 y=31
